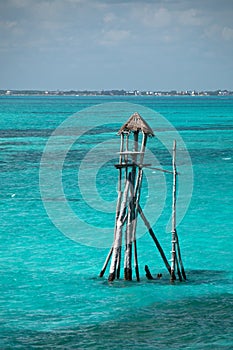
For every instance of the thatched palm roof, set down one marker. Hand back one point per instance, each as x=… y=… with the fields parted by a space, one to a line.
x=136 y=123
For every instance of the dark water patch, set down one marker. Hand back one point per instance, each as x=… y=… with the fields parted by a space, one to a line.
x=25 y=157
x=60 y=199
x=15 y=143
x=162 y=155
x=213 y=277
x=70 y=131
x=38 y=199
x=209 y=155
x=195 y=323
x=73 y=158
x=205 y=128
x=20 y=160
x=11 y=133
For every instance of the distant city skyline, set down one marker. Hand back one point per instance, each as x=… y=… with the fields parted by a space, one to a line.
x=126 y=44
x=115 y=92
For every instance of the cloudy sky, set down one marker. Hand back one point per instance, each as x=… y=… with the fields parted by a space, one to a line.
x=121 y=44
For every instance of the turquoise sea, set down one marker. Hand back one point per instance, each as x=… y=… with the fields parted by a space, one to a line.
x=50 y=294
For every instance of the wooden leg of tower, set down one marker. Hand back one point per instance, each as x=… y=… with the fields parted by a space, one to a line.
x=118 y=235
x=173 y=258
x=119 y=264
x=178 y=270
x=128 y=250
x=136 y=200
x=128 y=234
x=136 y=261
x=128 y=262
x=179 y=258
x=106 y=263
x=176 y=261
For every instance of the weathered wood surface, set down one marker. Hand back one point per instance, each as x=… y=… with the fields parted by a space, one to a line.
x=176 y=261
x=173 y=251
x=118 y=233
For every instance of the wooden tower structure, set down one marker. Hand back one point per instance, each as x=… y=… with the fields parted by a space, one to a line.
x=134 y=135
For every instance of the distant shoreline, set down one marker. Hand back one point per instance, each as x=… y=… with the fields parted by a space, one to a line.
x=113 y=93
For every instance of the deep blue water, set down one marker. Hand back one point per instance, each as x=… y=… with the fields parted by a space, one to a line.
x=50 y=292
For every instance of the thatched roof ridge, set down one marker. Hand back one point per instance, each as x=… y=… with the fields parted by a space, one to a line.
x=136 y=123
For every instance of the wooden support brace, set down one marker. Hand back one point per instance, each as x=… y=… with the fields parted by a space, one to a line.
x=151 y=232
x=106 y=262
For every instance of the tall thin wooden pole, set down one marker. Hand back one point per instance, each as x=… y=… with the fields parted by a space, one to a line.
x=143 y=146
x=119 y=199
x=119 y=203
x=119 y=180
x=126 y=155
x=128 y=234
x=173 y=251
x=118 y=234
x=136 y=199
x=131 y=214
x=137 y=193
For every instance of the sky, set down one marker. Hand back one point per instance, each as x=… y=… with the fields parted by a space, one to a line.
x=110 y=44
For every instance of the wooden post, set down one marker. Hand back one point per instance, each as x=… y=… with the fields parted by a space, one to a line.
x=118 y=234
x=119 y=204
x=143 y=146
x=106 y=263
x=126 y=155
x=119 y=180
x=136 y=194
x=136 y=201
x=178 y=270
x=128 y=234
x=179 y=258
x=173 y=251
x=118 y=267
x=176 y=261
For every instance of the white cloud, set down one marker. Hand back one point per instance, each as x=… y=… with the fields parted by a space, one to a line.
x=20 y=3
x=227 y=33
x=7 y=24
x=109 y=17
x=216 y=32
x=190 y=17
x=113 y=37
x=152 y=16
x=212 y=32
